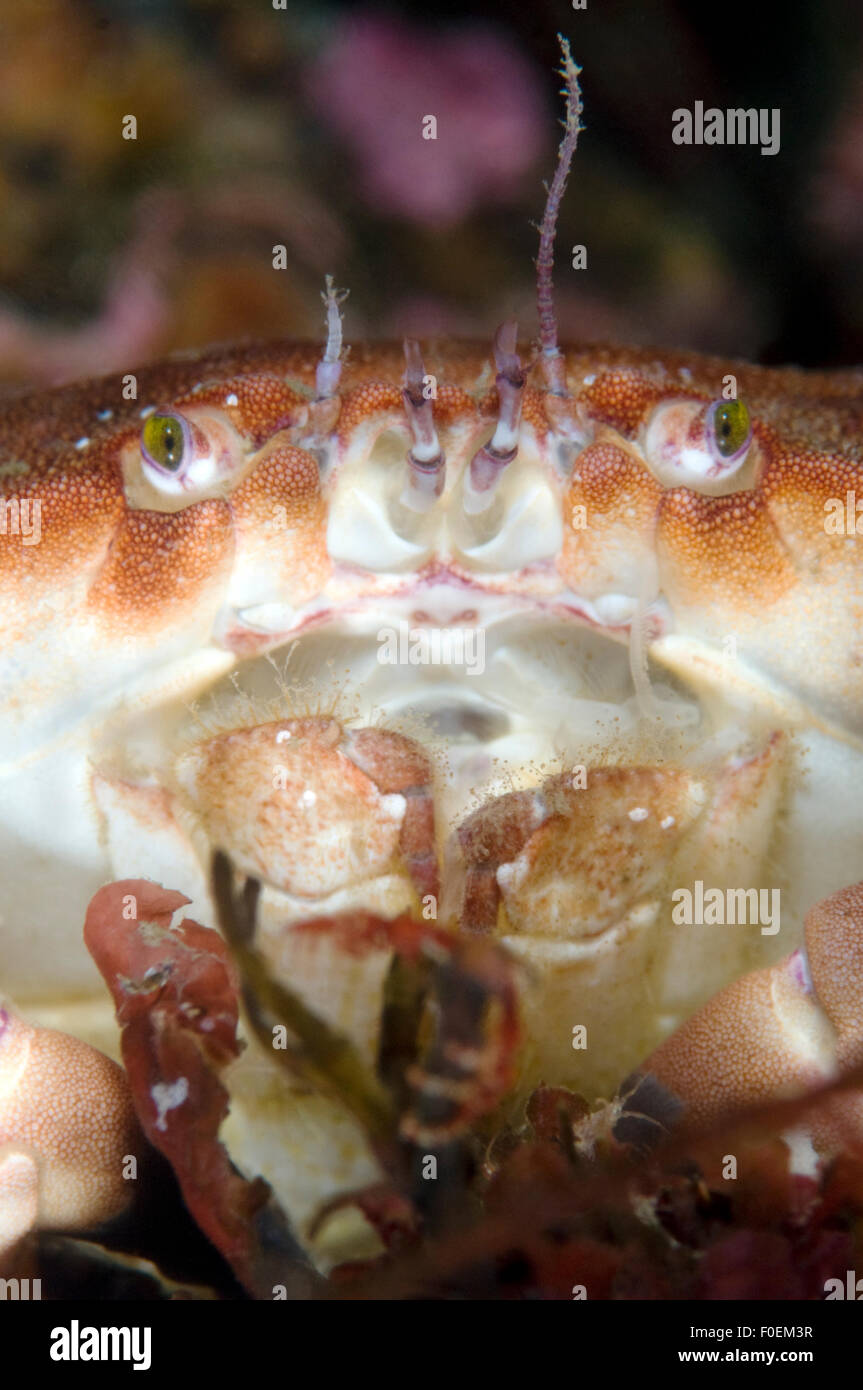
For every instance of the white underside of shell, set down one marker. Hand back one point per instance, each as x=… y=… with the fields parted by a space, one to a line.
x=547 y=698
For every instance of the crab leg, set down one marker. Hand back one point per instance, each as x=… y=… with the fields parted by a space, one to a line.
x=69 y=1140
x=781 y=1032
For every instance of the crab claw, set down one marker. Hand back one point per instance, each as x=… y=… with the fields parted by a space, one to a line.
x=310 y=806
x=19 y=1203
x=576 y=877
x=781 y=1032
x=66 y=1128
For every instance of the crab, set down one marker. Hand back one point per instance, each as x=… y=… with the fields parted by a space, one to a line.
x=522 y=648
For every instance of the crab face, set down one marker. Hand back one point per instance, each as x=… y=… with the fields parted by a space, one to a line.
x=392 y=662
x=494 y=605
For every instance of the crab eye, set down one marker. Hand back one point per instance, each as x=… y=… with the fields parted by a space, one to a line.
x=731 y=430
x=165 y=441
x=689 y=444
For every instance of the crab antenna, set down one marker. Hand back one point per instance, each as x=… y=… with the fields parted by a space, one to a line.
x=552 y=358
x=426 y=463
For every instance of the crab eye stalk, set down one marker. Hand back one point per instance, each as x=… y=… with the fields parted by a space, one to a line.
x=729 y=428
x=165 y=442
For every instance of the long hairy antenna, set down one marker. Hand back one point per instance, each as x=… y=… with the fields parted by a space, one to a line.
x=552 y=360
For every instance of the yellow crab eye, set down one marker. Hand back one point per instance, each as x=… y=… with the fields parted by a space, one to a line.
x=731 y=427
x=164 y=441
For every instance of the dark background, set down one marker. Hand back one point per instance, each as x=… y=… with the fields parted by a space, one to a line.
x=302 y=126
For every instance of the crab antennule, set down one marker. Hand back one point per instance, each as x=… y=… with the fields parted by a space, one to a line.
x=489 y=462
x=329 y=368
x=553 y=366
x=426 y=462
x=324 y=409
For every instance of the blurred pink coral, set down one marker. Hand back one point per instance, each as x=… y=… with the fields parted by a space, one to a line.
x=134 y=312
x=379 y=77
